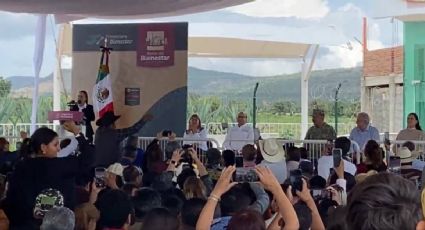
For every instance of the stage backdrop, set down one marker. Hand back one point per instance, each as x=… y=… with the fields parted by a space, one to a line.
x=148 y=67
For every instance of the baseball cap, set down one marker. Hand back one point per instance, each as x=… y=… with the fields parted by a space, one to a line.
x=115 y=168
x=46 y=200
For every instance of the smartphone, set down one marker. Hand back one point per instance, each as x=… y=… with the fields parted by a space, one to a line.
x=386 y=136
x=242 y=175
x=394 y=164
x=326 y=193
x=99 y=177
x=187 y=147
x=238 y=161
x=337 y=156
x=295 y=178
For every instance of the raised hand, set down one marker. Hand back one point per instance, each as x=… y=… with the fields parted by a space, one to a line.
x=224 y=182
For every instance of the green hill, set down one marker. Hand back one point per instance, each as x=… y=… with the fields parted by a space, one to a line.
x=322 y=85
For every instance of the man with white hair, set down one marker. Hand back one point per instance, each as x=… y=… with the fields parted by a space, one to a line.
x=364 y=131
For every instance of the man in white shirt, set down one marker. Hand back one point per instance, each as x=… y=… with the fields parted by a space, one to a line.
x=240 y=135
x=325 y=163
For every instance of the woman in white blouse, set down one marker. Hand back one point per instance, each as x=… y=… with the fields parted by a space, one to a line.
x=195 y=132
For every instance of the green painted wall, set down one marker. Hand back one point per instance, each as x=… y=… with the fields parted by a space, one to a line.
x=414 y=69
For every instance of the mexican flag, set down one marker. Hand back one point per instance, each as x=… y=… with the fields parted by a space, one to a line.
x=102 y=91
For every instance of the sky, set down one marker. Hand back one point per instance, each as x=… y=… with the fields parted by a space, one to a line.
x=330 y=23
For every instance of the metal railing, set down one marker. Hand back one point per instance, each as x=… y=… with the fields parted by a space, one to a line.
x=7 y=130
x=315 y=148
x=26 y=127
x=145 y=141
x=283 y=130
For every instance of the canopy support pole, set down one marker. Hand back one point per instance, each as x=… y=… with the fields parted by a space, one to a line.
x=306 y=68
x=40 y=37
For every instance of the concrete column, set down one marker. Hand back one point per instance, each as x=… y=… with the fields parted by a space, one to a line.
x=363 y=95
x=391 y=104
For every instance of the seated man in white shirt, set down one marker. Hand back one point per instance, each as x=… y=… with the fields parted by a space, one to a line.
x=325 y=163
x=240 y=135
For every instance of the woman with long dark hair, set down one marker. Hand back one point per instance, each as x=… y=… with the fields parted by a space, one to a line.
x=374 y=158
x=413 y=130
x=41 y=169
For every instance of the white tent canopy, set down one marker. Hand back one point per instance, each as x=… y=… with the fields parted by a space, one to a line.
x=404 y=10
x=220 y=47
x=66 y=10
x=114 y=8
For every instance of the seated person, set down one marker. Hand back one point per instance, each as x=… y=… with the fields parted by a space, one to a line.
x=325 y=163
x=274 y=158
x=190 y=212
x=143 y=202
x=213 y=164
x=294 y=157
x=129 y=156
x=115 y=210
x=228 y=157
x=374 y=159
x=249 y=154
x=399 y=208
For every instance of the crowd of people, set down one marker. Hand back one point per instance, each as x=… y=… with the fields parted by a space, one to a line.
x=113 y=184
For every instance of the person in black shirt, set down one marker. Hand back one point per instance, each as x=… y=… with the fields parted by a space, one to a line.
x=108 y=138
x=42 y=169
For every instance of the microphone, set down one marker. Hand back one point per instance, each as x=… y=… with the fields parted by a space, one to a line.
x=71 y=103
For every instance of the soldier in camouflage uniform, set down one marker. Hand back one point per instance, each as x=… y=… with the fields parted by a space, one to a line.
x=319 y=131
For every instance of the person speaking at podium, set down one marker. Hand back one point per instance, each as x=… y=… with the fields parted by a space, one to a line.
x=81 y=105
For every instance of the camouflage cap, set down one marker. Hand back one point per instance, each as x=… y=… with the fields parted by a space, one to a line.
x=46 y=200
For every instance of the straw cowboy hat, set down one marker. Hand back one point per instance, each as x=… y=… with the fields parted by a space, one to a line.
x=271 y=150
x=406 y=155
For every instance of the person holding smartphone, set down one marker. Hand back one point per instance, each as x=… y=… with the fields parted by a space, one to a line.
x=339 y=153
x=44 y=169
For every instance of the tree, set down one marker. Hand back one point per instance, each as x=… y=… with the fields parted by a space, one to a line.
x=284 y=107
x=5 y=86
